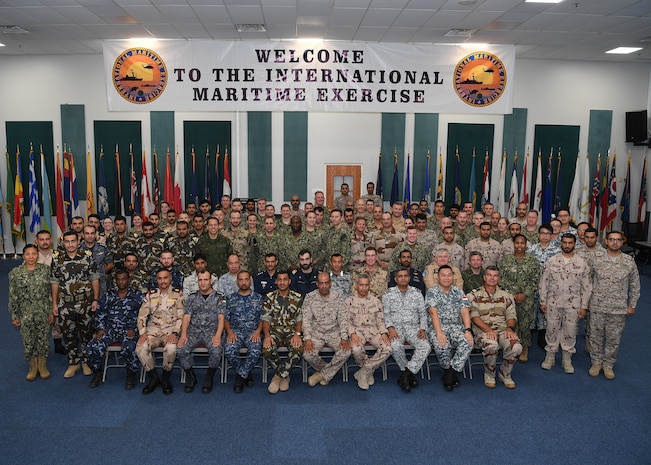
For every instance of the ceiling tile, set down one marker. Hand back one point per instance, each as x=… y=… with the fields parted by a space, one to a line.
x=245 y=14
x=380 y=17
x=279 y=14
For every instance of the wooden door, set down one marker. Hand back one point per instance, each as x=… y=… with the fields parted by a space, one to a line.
x=336 y=175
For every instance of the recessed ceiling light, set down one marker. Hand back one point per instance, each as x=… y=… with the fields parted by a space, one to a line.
x=2 y=45
x=624 y=50
x=460 y=32
x=251 y=28
x=543 y=1
x=13 y=30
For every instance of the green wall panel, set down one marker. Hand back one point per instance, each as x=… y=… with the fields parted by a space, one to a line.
x=426 y=131
x=73 y=135
x=599 y=135
x=514 y=138
x=295 y=154
x=162 y=139
x=259 y=142
x=393 y=140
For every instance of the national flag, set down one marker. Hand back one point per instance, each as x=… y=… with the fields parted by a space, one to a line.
x=206 y=176
x=90 y=192
x=75 y=209
x=439 y=183
x=156 y=183
x=17 y=228
x=500 y=202
x=574 y=204
x=168 y=185
x=394 y=184
x=547 y=200
x=538 y=192
x=557 y=192
x=641 y=203
x=427 y=194
x=473 y=183
x=611 y=210
x=217 y=183
x=7 y=211
x=378 y=179
x=59 y=203
x=194 y=187
x=406 y=197
x=603 y=199
x=102 y=194
x=625 y=204
x=457 y=178
x=525 y=186
x=119 y=198
x=513 y=194
x=594 y=198
x=146 y=205
x=67 y=186
x=485 y=187
x=227 y=175
x=34 y=205
x=584 y=205
x=46 y=217
x=178 y=183
x=134 y=198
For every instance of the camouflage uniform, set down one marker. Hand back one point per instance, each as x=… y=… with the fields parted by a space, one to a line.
x=191 y=283
x=457 y=254
x=429 y=239
x=160 y=315
x=243 y=313
x=358 y=247
x=338 y=241
x=318 y=254
x=177 y=279
x=340 y=201
x=149 y=253
x=216 y=251
x=261 y=245
x=420 y=256
x=415 y=280
x=377 y=200
x=289 y=247
x=325 y=323
x=379 y=280
x=342 y=283
x=431 y=276
x=406 y=313
x=30 y=302
x=366 y=319
x=183 y=252
x=240 y=241
x=532 y=236
x=282 y=314
x=472 y=281
x=398 y=224
x=385 y=243
x=115 y=316
x=74 y=277
x=102 y=256
x=448 y=308
x=615 y=286
x=228 y=284
x=120 y=246
x=138 y=280
x=565 y=287
x=539 y=320
x=494 y=310
x=204 y=320
x=521 y=276
x=465 y=236
x=490 y=250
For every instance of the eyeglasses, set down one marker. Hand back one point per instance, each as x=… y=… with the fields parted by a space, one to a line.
x=616 y=239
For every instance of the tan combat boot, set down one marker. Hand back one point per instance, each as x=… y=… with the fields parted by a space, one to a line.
x=33 y=370
x=549 y=362
x=524 y=355
x=42 y=368
x=567 y=363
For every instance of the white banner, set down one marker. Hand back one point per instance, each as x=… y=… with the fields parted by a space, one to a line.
x=308 y=76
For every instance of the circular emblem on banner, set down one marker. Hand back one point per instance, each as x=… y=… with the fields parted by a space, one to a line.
x=139 y=75
x=480 y=79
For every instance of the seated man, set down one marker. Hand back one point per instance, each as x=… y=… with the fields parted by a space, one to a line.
x=159 y=323
x=366 y=324
x=191 y=282
x=492 y=312
x=282 y=325
x=431 y=273
x=415 y=276
x=406 y=320
x=167 y=261
x=116 y=320
x=203 y=323
x=449 y=309
x=243 y=326
x=228 y=281
x=324 y=323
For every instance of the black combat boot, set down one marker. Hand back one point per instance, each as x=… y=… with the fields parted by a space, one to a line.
x=165 y=382
x=207 y=381
x=59 y=348
x=448 y=382
x=403 y=381
x=130 y=383
x=96 y=380
x=413 y=381
x=153 y=383
x=190 y=380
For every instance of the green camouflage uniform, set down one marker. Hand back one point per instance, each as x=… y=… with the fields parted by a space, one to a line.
x=261 y=245
x=338 y=241
x=240 y=241
x=216 y=251
x=420 y=256
x=183 y=252
x=290 y=246
x=149 y=253
x=120 y=246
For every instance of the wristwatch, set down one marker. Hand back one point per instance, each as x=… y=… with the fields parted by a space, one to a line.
x=298 y=333
x=469 y=330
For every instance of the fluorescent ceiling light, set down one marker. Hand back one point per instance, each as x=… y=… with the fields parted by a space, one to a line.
x=250 y=28
x=624 y=50
x=2 y=45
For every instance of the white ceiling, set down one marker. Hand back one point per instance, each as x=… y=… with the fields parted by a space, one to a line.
x=572 y=30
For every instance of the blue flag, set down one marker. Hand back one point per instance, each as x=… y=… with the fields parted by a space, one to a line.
x=206 y=177
x=473 y=184
x=46 y=218
x=34 y=208
x=625 y=203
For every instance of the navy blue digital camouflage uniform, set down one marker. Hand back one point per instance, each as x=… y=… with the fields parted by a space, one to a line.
x=243 y=313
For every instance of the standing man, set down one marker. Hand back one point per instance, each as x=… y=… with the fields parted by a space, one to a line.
x=342 y=281
x=457 y=254
x=182 y=246
x=489 y=248
x=420 y=253
x=282 y=325
x=366 y=324
x=340 y=201
x=75 y=296
x=406 y=321
x=44 y=245
x=149 y=248
x=492 y=312
x=191 y=283
x=166 y=260
x=265 y=281
x=337 y=237
x=386 y=240
x=415 y=276
x=615 y=292
x=120 y=242
x=243 y=327
x=371 y=195
x=565 y=289
x=216 y=247
x=324 y=323
x=116 y=321
x=159 y=323
x=473 y=276
x=203 y=323
x=378 y=277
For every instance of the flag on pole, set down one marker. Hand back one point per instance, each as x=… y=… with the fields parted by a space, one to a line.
x=178 y=183
x=557 y=192
x=406 y=197
x=146 y=205
x=524 y=187
x=513 y=194
x=378 y=179
x=217 y=183
x=8 y=212
x=394 y=184
x=641 y=203
x=156 y=183
x=603 y=199
x=168 y=186
x=538 y=192
x=102 y=194
x=70 y=186
x=119 y=198
x=500 y=202
x=90 y=192
x=206 y=176
x=439 y=184
x=427 y=194
x=227 y=175
x=473 y=183
x=457 y=178
x=485 y=187
x=625 y=204
x=134 y=198
x=19 y=200
x=611 y=210
x=46 y=218
x=584 y=203
x=194 y=187
x=594 y=197
x=59 y=204
x=574 y=204
x=547 y=200
x=34 y=206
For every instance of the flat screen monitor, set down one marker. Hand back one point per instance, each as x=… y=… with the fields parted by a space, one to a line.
x=636 y=126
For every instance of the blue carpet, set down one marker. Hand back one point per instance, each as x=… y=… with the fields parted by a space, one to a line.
x=550 y=418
